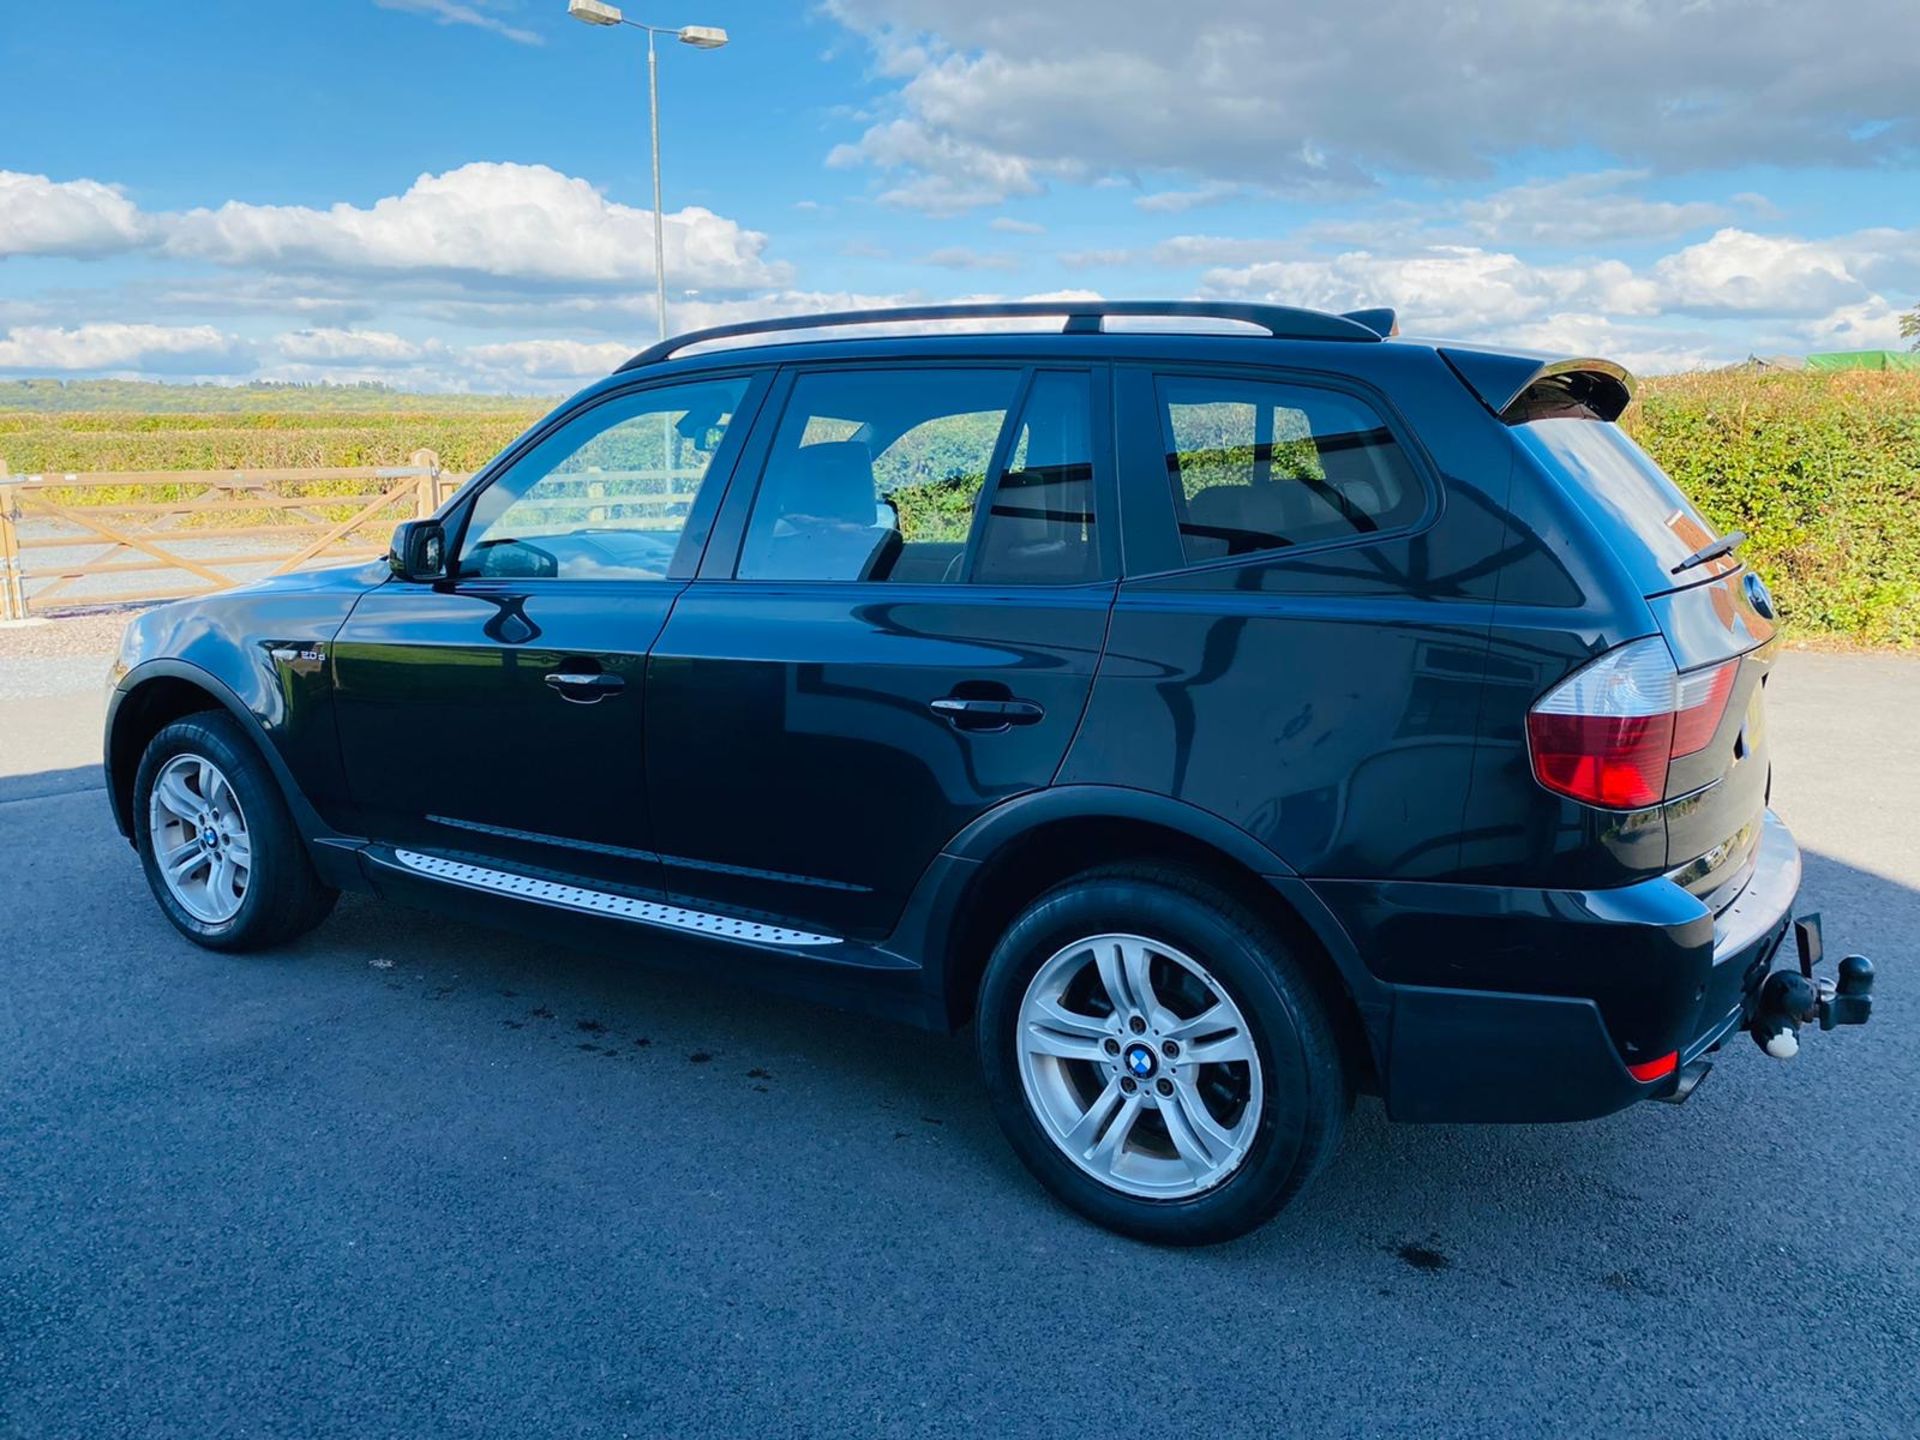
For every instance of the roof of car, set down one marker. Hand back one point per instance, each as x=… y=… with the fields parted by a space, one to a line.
x=1079 y=317
x=1211 y=329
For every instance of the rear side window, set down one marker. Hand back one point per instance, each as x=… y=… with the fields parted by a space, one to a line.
x=1039 y=529
x=882 y=475
x=1258 y=466
x=874 y=475
x=1611 y=471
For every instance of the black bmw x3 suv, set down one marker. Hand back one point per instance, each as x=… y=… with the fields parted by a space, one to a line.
x=1226 y=709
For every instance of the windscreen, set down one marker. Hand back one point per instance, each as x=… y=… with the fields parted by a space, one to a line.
x=1648 y=514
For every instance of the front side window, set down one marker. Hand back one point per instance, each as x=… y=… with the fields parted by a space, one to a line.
x=606 y=497
x=1257 y=466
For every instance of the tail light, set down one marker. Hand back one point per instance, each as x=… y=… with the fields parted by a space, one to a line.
x=1606 y=734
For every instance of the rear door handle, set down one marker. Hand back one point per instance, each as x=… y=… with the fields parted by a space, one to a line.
x=585 y=688
x=970 y=714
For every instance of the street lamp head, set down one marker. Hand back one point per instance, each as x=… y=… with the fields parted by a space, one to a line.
x=595 y=12
x=703 y=37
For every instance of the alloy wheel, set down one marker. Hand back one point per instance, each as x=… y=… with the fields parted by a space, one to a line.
x=199 y=837
x=1139 y=1066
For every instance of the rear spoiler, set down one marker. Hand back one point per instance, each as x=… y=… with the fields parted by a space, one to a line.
x=1526 y=387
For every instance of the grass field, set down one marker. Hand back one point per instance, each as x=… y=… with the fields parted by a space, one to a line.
x=1821 y=471
x=48 y=426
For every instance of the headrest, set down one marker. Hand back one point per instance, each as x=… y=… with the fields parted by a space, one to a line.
x=832 y=480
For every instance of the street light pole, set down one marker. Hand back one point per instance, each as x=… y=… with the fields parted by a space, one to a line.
x=701 y=37
x=659 y=215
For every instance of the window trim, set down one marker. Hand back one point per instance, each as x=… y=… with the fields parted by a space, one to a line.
x=1165 y=516
x=728 y=542
x=457 y=516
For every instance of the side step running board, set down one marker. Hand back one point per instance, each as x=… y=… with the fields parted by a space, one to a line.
x=601 y=902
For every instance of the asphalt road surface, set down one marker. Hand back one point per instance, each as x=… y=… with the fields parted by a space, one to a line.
x=415 y=1179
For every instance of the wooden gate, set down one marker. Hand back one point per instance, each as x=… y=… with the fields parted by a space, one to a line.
x=65 y=539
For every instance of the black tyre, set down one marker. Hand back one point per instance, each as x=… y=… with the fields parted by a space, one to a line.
x=1158 y=1057
x=220 y=850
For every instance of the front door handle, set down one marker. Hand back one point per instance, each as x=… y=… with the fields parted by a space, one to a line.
x=968 y=713
x=585 y=687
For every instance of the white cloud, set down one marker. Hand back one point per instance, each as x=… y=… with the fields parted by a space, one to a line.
x=496 y=226
x=1642 y=348
x=1868 y=325
x=1007 y=225
x=537 y=360
x=948 y=175
x=1737 y=270
x=487 y=220
x=451 y=12
x=374 y=348
x=1446 y=290
x=1583 y=210
x=110 y=347
x=81 y=218
x=996 y=96
x=1710 y=302
x=1175 y=202
x=1184 y=250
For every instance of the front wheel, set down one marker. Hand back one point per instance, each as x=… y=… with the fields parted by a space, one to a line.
x=220 y=849
x=1158 y=1057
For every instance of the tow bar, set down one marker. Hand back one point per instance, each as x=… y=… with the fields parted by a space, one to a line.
x=1788 y=1001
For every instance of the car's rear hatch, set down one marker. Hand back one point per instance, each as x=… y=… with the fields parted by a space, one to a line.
x=1717 y=622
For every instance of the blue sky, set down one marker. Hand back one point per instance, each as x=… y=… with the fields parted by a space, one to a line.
x=455 y=193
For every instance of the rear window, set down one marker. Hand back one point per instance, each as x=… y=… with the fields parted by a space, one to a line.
x=1619 y=481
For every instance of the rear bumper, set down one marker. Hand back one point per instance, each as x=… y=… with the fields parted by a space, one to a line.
x=1554 y=995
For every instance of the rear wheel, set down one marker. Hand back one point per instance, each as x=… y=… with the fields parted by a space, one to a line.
x=219 y=848
x=1158 y=1057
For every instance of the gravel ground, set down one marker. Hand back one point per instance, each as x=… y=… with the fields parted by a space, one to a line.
x=64 y=637
x=62 y=657
x=410 y=1177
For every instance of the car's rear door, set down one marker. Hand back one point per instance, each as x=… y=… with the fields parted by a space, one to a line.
x=894 y=629
x=502 y=713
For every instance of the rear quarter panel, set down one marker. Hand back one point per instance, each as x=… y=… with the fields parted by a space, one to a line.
x=1326 y=701
x=1563 y=600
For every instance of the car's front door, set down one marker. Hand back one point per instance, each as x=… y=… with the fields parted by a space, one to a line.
x=896 y=631
x=501 y=713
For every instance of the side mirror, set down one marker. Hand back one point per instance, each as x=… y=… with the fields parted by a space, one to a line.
x=419 y=550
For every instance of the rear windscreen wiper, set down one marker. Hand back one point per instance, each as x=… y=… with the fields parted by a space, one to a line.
x=1712 y=550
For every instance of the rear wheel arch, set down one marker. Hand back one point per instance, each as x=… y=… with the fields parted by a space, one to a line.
x=1024 y=862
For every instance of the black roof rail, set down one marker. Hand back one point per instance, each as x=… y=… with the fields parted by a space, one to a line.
x=1083 y=317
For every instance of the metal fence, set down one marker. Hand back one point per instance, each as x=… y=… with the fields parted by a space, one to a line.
x=70 y=542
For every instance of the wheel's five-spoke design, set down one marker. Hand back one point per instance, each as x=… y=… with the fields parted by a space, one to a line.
x=199 y=837
x=1139 y=1066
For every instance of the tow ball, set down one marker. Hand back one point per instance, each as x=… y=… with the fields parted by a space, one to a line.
x=1788 y=1000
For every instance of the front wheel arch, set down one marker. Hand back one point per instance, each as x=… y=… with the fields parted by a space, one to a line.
x=139 y=713
x=160 y=692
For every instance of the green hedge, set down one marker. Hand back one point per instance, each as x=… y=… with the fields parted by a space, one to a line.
x=1821 y=471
